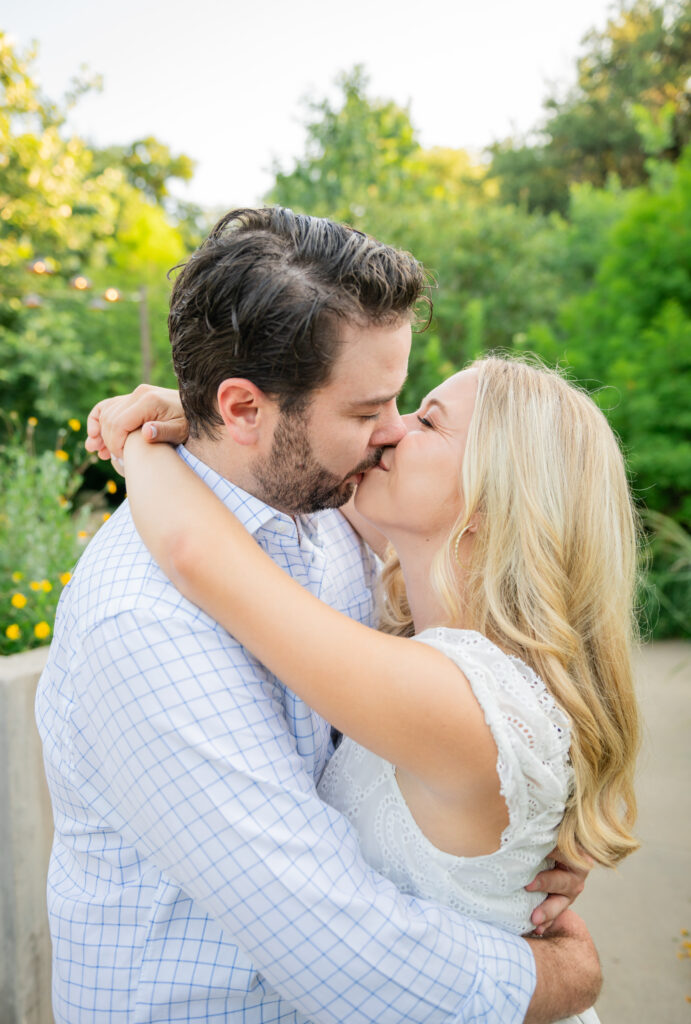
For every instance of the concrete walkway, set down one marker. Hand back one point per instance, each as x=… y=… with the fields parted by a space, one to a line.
x=640 y=915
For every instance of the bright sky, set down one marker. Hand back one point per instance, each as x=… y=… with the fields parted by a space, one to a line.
x=223 y=80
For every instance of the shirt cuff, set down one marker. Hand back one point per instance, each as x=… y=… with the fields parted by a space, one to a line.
x=506 y=976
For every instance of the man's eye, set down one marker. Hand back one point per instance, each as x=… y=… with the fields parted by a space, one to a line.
x=373 y=416
x=425 y=422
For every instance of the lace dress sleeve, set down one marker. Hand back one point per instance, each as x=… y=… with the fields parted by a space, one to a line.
x=529 y=728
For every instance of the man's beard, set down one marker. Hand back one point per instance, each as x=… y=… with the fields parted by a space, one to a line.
x=291 y=479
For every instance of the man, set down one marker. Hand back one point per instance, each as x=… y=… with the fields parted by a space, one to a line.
x=195 y=874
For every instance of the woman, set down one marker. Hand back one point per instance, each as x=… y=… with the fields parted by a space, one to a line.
x=511 y=719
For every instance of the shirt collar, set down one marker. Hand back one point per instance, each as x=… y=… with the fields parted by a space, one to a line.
x=252 y=512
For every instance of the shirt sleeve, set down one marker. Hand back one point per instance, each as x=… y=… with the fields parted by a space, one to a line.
x=187 y=754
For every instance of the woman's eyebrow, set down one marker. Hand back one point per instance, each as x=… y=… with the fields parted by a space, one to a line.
x=434 y=401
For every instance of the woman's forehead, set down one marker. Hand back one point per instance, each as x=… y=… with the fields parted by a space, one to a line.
x=460 y=387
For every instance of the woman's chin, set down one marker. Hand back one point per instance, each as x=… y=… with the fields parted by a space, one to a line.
x=366 y=502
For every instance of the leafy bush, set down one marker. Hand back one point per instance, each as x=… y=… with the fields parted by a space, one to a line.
x=666 y=597
x=41 y=532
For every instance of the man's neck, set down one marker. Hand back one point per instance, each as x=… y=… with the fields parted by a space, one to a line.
x=229 y=461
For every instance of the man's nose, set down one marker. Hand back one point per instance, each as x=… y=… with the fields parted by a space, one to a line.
x=409 y=421
x=389 y=431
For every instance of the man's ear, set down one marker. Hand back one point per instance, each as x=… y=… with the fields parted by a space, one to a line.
x=246 y=411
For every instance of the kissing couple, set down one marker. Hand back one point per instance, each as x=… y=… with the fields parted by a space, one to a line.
x=218 y=854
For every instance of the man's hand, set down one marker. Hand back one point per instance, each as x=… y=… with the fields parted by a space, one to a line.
x=563 y=883
x=157 y=410
x=569 y=976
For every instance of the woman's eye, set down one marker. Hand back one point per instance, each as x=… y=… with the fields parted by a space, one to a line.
x=425 y=422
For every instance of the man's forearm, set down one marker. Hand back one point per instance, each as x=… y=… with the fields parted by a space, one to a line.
x=569 y=976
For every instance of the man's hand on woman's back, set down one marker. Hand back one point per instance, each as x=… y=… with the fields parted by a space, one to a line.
x=569 y=976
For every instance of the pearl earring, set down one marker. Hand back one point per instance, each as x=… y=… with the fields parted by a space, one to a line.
x=458 y=541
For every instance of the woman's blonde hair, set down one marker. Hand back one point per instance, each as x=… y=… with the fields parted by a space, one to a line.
x=551 y=577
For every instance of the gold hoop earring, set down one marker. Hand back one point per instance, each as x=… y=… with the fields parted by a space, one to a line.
x=458 y=541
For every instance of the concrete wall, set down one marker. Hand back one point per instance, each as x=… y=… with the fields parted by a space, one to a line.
x=26 y=834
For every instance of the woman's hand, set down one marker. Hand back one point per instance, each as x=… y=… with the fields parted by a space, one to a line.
x=563 y=883
x=158 y=411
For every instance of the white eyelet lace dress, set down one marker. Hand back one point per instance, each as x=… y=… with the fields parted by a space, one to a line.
x=532 y=737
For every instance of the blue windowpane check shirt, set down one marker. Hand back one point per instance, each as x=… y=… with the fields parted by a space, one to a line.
x=195 y=874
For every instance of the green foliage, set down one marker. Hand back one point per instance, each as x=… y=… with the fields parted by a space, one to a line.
x=628 y=336
x=46 y=367
x=148 y=164
x=96 y=214
x=492 y=265
x=494 y=268
x=356 y=155
x=630 y=100
x=41 y=536
x=667 y=589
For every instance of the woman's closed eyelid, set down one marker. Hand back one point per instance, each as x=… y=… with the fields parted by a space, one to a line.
x=425 y=422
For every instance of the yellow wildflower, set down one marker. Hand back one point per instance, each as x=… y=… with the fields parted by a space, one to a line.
x=106 y=517
x=62 y=501
x=47 y=586
x=62 y=455
x=82 y=535
x=41 y=630
x=65 y=578
x=111 y=487
x=18 y=601
x=74 y=424
x=13 y=632
x=17 y=577
x=32 y=421
x=35 y=585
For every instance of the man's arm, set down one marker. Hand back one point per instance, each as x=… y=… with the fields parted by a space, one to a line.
x=188 y=756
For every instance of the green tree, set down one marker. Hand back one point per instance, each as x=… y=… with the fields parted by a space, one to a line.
x=627 y=337
x=631 y=99
x=69 y=210
x=149 y=165
x=491 y=265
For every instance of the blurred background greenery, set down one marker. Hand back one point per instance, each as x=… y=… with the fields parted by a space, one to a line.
x=573 y=243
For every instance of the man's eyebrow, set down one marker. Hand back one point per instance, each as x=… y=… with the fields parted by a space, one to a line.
x=376 y=400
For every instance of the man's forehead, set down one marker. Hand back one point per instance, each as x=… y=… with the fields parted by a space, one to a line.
x=372 y=362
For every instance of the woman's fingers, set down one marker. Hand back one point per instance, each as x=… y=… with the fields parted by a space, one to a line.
x=111 y=420
x=172 y=431
x=562 y=883
x=544 y=916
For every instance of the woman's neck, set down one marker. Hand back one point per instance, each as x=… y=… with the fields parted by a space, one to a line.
x=426 y=607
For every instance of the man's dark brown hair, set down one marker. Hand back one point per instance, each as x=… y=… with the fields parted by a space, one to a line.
x=263 y=299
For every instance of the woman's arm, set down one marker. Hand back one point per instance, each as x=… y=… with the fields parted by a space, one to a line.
x=403 y=700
